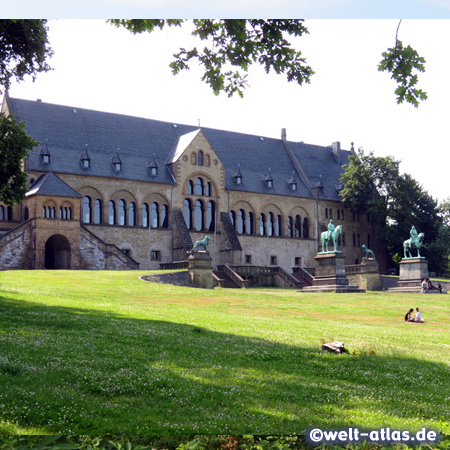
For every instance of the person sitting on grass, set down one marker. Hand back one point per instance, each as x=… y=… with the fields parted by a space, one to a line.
x=418 y=316
x=408 y=317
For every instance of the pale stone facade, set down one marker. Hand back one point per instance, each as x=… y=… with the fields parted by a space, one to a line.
x=262 y=201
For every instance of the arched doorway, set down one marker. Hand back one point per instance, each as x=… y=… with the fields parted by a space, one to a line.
x=57 y=252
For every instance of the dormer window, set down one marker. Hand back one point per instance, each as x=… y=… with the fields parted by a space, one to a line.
x=152 y=166
x=292 y=182
x=238 y=175
x=45 y=155
x=117 y=163
x=268 y=180
x=85 y=160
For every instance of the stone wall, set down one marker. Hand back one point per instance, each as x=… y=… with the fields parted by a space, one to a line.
x=14 y=248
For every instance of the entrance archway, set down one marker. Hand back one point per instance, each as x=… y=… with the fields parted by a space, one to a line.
x=57 y=252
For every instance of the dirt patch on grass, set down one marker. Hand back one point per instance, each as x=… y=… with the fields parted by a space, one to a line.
x=175 y=278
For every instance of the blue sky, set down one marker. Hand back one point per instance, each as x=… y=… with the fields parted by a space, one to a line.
x=324 y=9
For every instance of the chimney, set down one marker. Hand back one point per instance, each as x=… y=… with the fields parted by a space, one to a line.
x=283 y=134
x=337 y=151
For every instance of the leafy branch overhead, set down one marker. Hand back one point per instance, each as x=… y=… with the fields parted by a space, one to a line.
x=402 y=63
x=233 y=46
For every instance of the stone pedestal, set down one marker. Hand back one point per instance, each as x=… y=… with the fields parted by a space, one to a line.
x=412 y=272
x=330 y=275
x=200 y=269
x=366 y=275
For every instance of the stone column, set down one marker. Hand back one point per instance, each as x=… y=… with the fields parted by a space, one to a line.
x=200 y=269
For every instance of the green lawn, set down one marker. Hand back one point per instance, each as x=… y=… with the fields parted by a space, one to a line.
x=107 y=353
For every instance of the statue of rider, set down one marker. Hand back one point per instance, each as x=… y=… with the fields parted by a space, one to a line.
x=331 y=228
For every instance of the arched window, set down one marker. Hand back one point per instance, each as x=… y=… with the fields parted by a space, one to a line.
x=111 y=213
x=199 y=187
x=270 y=224
x=98 y=211
x=290 y=227
x=211 y=216
x=298 y=227
x=233 y=218
x=155 y=215
x=278 y=226
x=132 y=214
x=306 y=228
x=208 y=190
x=87 y=204
x=262 y=225
x=250 y=223
x=69 y=213
x=199 y=215
x=241 y=222
x=200 y=158
x=191 y=187
x=165 y=216
x=44 y=212
x=9 y=213
x=26 y=216
x=326 y=213
x=49 y=212
x=145 y=215
x=121 y=213
x=188 y=213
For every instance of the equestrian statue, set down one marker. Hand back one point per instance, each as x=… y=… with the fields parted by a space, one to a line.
x=333 y=234
x=415 y=241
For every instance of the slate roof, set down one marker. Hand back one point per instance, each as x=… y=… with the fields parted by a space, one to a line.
x=69 y=132
x=51 y=184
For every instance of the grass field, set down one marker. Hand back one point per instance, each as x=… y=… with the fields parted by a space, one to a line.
x=106 y=353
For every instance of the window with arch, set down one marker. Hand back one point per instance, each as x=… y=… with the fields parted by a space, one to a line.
x=262 y=225
x=132 y=214
x=290 y=227
x=298 y=227
x=155 y=215
x=270 y=224
x=26 y=215
x=165 y=216
x=121 y=213
x=208 y=189
x=233 y=218
x=98 y=211
x=2 y=213
x=191 y=187
x=188 y=213
x=200 y=158
x=241 y=222
x=199 y=189
x=199 y=215
x=111 y=213
x=326 y=213
x=145 y=215
x=306 y=228
x=211 y=216
x=87 y=209
x=250 y=223
x=279 y=226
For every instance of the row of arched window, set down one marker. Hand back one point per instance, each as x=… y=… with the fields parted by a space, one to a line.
x=200 y=187
x=329 y=214
x=124 y=214
x=270 y=224
x=200 y=159
x=49 y=212
x=200 y=216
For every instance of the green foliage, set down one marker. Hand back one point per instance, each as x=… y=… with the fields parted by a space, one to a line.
x=14 y=146
x=24 y=48
x=374 y=185
x=402 y=63
x=234 y=45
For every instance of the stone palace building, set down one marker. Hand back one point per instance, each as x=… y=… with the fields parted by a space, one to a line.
x=110 y=191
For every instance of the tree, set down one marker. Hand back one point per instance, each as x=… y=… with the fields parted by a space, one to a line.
x=14 y=146
x=401 y=62
x=24 y=48
x=235 y=44
x=374 y=185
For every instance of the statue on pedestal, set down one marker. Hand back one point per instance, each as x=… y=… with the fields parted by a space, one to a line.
x=415 y=241
x=203 y=243
x=332 y=233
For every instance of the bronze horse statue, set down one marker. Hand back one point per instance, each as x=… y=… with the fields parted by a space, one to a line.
x=410 y=244
x=334 y=236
